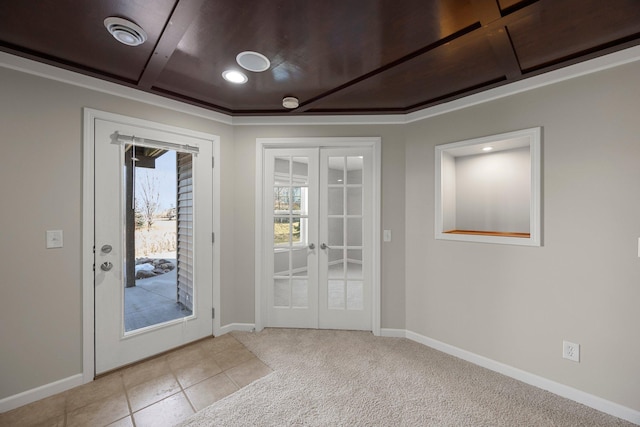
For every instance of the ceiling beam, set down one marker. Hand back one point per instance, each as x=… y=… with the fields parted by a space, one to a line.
x=181 y=18
x=497 y=34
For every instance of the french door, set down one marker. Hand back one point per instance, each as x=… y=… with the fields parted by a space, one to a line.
x=318 y=238
x=153 y=247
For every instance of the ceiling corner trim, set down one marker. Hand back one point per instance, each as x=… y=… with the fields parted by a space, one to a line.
x=595 y=65
x=601 y=63
x=50 y=72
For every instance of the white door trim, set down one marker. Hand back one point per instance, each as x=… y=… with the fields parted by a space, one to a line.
x=88 y=224
x=264 y=143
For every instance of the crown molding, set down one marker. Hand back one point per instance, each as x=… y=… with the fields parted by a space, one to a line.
x=595 y=65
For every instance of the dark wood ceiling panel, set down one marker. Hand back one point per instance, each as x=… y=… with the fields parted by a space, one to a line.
x=508 y=5
x=561 y=30
x=463 y=64
x=72 y=32
x=336 y=56
x=313 y=46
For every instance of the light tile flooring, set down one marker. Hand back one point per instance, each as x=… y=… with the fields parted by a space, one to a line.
x=159 y=392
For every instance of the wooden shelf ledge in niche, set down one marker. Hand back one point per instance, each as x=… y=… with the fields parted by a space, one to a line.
x=490 y=233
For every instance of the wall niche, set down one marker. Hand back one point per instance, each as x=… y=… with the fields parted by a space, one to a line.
x=488 y=189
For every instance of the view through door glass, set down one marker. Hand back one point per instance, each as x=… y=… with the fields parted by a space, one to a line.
x=290 y=232
x=158 y=236
x=345 y=230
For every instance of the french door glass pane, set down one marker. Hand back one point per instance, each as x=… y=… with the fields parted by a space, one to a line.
x=354 y=201
x=336 y=172
x=158 y=236
x=299 y=293
x=355 y=295
x=281 y=293
x=336 y=232
x=354 y=169
x=335 y=204
x=336 y=295
x=354 y=231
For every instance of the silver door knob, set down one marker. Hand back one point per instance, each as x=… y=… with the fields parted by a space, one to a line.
x=324 y=246
x=312 y=246
x=106 y=266
x=106 y=249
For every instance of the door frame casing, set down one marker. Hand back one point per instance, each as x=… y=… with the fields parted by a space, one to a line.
x=88 y=224
x=262 y=144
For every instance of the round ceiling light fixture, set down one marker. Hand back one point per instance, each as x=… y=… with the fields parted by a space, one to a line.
x=234 y=76
x=125 y=31
x=290 y=102
x=253 y=61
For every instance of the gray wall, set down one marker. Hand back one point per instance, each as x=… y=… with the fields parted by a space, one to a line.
x=516 y=304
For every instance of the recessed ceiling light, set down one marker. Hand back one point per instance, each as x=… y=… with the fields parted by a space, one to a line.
x=253 y=61
x=290 y=102
x=487 y=149
x=234 y=76
x=125 y=31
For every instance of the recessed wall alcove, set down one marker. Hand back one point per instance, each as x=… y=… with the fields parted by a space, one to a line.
x=488 y=189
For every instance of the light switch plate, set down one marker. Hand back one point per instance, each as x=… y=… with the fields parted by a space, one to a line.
x=54 y=239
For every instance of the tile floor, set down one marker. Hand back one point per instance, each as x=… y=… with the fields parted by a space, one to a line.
x=159 y=392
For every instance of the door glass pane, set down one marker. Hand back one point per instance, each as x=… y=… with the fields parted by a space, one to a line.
x=158 y=236
x=281 y=231
x=354 y=264
x=354 y=168
x=299 y=262
x=336 y=231
x=298 y=202
x=336 y=264
x=354 y=201
x=335 y=174
x=283 y=199
x=355 y=295
x=300 y=170
x=354 y=231
x=336 y=294
x=336 y=201
x=299 y=293
x=282 y=171
x=281 y=262
x=281 y=293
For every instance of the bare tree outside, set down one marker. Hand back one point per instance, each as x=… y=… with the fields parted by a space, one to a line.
x=147 y=201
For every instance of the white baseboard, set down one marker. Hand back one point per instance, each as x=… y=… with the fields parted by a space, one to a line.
x=245 y=327
x=562 y=390
x=393 y=333
x=30 y=396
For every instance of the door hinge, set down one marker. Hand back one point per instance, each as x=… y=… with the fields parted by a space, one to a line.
x=213 y=237
x=213 y=162
x=213 y=312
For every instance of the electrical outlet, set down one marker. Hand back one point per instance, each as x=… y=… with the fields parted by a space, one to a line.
x=571 y=351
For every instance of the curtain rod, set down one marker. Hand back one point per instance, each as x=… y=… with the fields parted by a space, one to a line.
x=153 y=143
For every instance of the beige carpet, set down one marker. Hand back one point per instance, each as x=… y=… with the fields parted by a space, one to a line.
x=343 y=378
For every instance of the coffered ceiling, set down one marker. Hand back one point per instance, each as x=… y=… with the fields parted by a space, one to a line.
x=335 y=56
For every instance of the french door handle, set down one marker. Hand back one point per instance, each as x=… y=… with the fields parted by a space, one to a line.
x=106 y=266
x=312 y=246
x=324 y=246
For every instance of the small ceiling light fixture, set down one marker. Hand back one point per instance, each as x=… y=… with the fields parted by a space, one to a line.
x=126 y=32
x=487 y=149
x=290 y=102
x=253 y=61
x=234 y=76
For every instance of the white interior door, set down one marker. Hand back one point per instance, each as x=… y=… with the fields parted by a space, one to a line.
x=291 y=216
x=318 y=237
x=153 y=246
x=346 y=238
